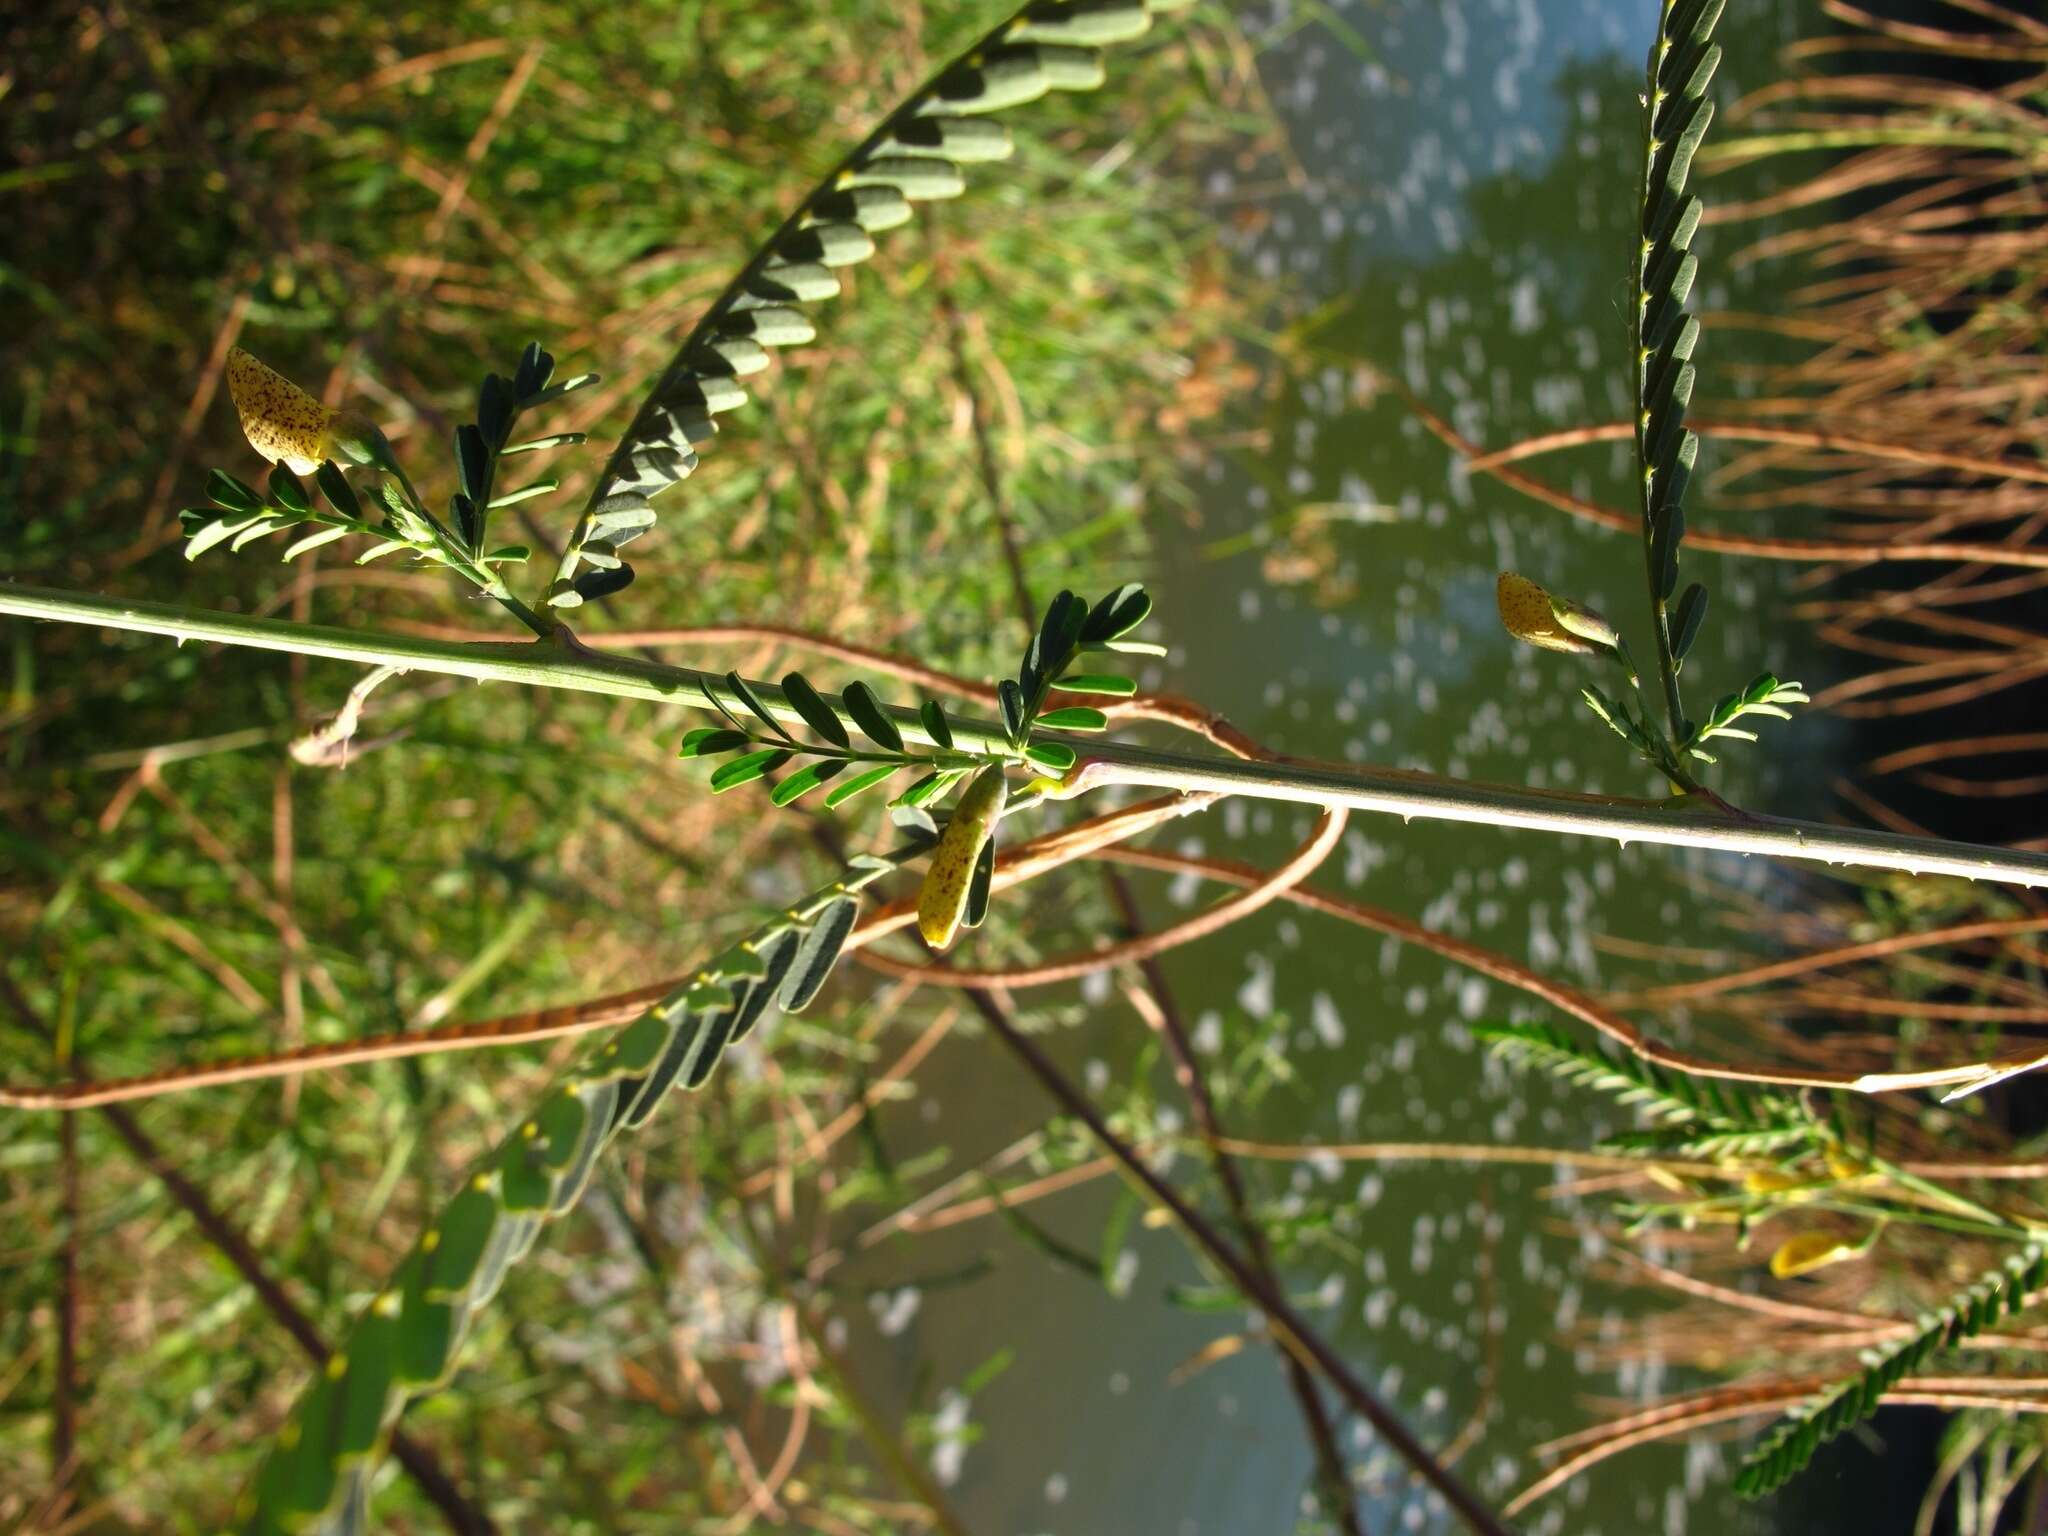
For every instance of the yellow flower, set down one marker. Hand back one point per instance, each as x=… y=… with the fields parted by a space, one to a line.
x=1814 y=1250
x=942 y=899
x=1550 y=623
x=281 y=421
x=1845 y=1166
x=1772 y=1181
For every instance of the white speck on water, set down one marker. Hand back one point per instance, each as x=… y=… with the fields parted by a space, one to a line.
x=1255 y=997
x=1123 y=1272
x=949 y=1432
x=894 y=1309
x=1323 y=1017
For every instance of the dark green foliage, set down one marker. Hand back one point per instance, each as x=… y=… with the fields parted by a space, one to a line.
x=1096 y=682
x=710 y=740
x=1686 y=619
x=860 y=782
x=1068 y=627
x=1015 y=721
x=915 y=155
x=287 y=491
x=1676 y=113
x=1075 y=718
x=403 y=524
x=935 y=723
x=979 y=887
x=339 y=493
x=1682 y=64
x=1702 y=1107
x=755 y=731
x=744 y=770
x=234 y=495
x=1765 y=695
x=409 y=1334
x=744 y=692
x=816 y=712
x=871 y=717
x=806 y=779
x=1790 y=1444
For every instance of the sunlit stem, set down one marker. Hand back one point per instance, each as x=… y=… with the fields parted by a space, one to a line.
x=1685 y=821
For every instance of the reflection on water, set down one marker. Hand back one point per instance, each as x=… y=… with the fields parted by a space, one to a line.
x=1462 y=222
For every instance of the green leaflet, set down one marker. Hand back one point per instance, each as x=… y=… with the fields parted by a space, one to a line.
x=317 y=1475
x=1702 y=1105
x=915 y=155
x=1676 y=110
x=1790 y=1444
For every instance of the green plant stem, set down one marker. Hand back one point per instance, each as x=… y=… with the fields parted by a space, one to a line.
x=450 y=549
x=561 y=663
x=2004 y=1232
x=1947 y=1197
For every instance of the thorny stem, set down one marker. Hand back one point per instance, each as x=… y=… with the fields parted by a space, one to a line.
x=1681 y=822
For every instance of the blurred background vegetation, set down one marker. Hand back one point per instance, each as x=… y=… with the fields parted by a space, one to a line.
x=385 y=201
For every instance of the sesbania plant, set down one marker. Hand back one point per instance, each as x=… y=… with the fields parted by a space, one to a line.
x=1789 y=1163
x=1778 y=1161
x=797 y=740
x=1662 y=340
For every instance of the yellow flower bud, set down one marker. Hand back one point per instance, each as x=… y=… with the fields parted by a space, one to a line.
x=942 y=899
x=1814 y=1250
x=1772 y=1181
x=1536 y=618
x=1845 y=1166
x=281 y=421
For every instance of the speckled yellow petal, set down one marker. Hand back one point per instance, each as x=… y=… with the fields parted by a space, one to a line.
x=1813 y=1250
x=1525 y=609
x=942 y=899
x=281 y=421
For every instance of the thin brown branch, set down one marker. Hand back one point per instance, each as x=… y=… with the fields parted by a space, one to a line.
x=420 y=1463
x=1754 y=432
x=1268 y=889
x=1827 y=959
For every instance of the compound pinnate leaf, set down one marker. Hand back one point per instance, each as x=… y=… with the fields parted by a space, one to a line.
x=406 y=1340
